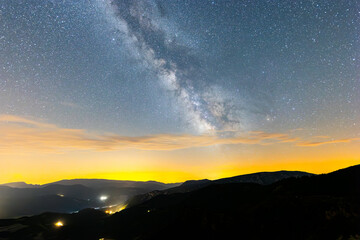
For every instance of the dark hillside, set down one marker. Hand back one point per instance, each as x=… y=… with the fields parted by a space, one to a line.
x=311 y=207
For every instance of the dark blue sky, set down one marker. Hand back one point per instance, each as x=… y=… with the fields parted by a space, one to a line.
x=145 y=67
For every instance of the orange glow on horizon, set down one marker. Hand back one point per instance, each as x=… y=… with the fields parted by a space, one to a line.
x=211 y=158
x=214 y=172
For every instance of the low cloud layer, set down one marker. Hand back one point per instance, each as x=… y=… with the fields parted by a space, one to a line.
x=19 y=133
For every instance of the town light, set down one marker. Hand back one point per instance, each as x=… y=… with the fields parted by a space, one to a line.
x=59 y=224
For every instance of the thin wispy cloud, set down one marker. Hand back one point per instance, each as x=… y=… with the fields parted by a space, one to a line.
x=70 y=104
x=318 y=143
x=296 y=130
x=322 y=137
x=12 y=119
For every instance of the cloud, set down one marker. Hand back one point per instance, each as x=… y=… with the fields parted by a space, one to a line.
x=19 y=134
x=322 y=137
x=318 y=143
x=70 y=104
x=20 y=120
x=296 y=130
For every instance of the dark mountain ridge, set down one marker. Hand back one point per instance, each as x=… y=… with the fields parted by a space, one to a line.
x=263 y=178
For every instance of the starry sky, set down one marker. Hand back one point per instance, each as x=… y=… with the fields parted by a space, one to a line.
x=176 y=90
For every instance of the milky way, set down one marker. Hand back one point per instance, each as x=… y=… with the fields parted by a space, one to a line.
x=142 y=29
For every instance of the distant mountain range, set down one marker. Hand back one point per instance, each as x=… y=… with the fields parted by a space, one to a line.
x=306 y=206
x=20 y=185
x=21 y=199
x=96 y=183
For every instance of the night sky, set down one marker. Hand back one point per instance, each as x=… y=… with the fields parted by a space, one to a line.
x=171 y=90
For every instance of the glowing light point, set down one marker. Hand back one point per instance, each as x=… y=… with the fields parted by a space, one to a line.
x=109 y=212
x=59 y=224
x=103 y=198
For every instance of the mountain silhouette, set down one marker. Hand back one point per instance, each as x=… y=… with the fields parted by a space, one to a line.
x=323 y=206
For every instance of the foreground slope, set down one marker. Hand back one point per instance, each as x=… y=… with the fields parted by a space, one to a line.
x=312 y=207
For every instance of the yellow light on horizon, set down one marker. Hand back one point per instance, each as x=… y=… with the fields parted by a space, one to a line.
x=121 y=208
x=59 y=224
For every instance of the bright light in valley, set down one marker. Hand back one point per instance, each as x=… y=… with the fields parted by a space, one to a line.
x=103 y=198
x=59 y=224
